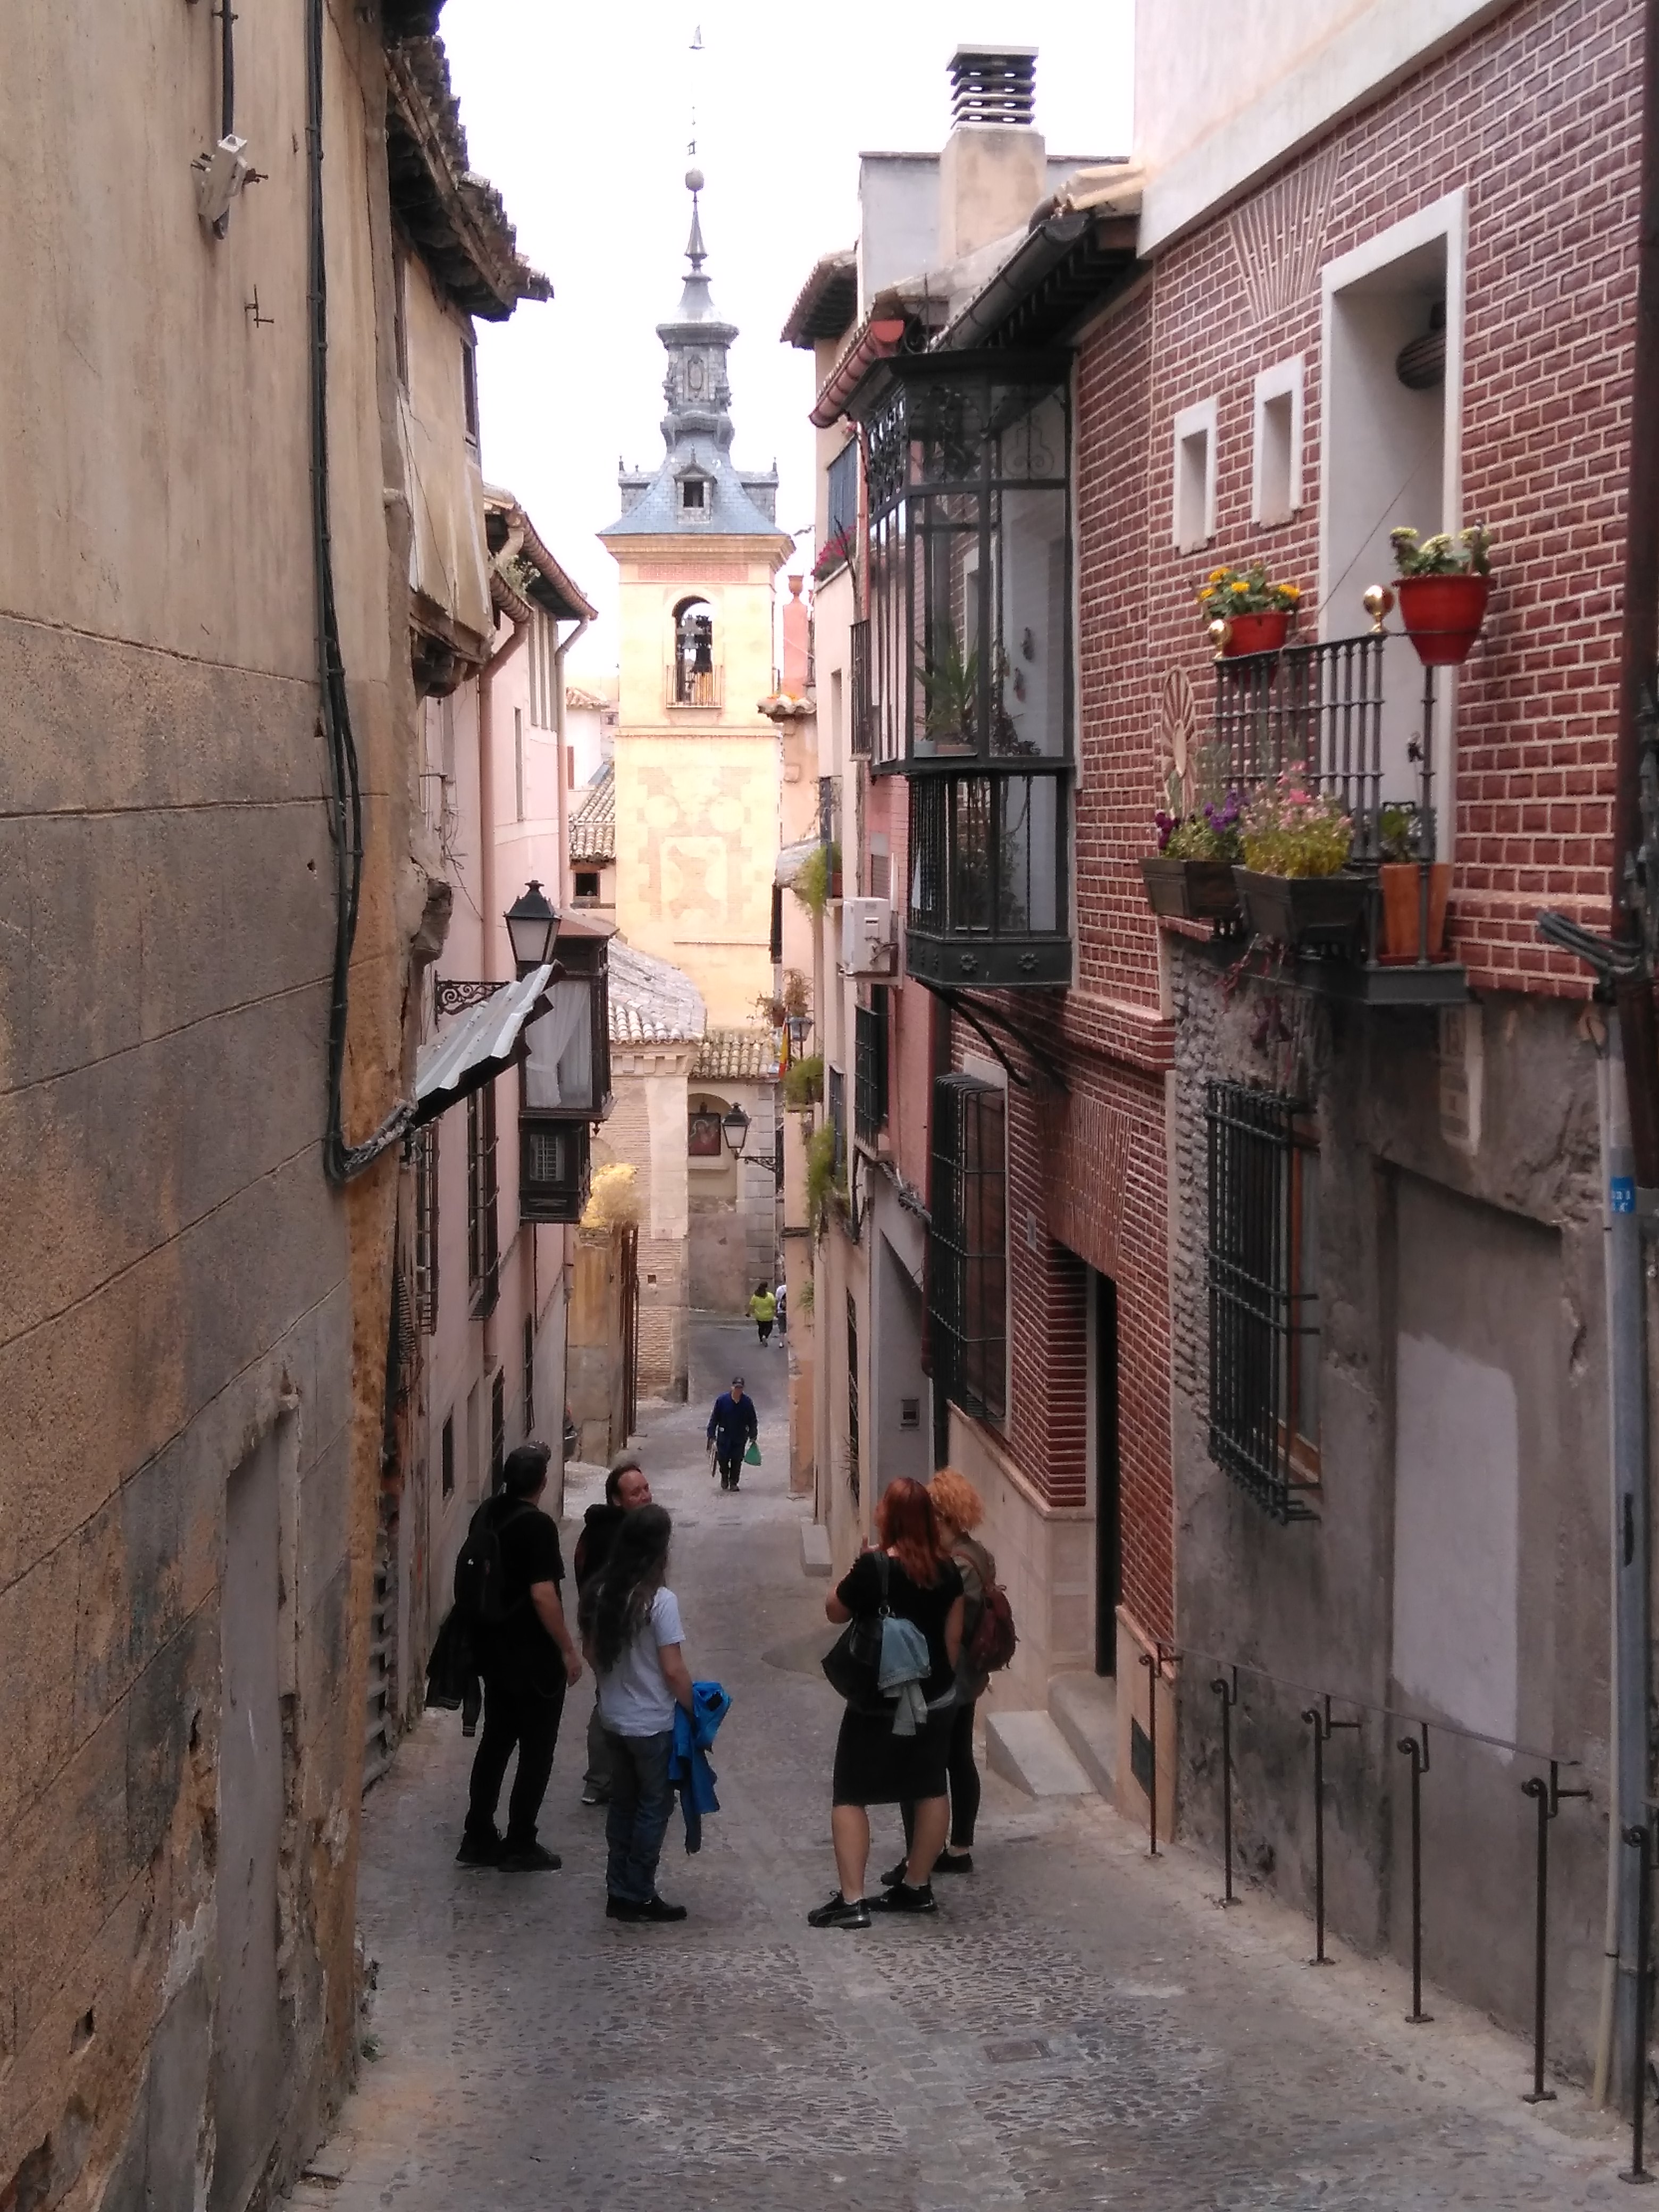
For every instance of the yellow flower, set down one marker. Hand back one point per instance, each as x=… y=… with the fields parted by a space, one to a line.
x=1218 y=575
x=1206 y=591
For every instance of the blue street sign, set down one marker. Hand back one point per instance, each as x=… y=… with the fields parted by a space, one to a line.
x=1621 y=1194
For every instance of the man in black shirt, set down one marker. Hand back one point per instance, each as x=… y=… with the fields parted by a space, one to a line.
x=527 y=1664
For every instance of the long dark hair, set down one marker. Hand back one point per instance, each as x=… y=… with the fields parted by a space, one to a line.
x=905 y=1523
x=618 y=1599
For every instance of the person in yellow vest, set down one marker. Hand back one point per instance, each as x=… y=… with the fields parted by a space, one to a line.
x=764 y=1311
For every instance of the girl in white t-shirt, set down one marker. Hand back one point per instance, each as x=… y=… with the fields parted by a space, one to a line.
x=630 y=1625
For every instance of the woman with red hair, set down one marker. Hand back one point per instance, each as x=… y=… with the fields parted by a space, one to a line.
x=873 y=1765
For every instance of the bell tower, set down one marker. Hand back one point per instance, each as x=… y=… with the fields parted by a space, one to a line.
x=697 y=771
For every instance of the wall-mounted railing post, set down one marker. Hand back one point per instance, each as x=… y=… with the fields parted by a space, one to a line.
x=1641 y=1839
x=1153 y=1662
x=1319 y=1719
x=1227 y=1691
x=1549 y=1797
x=1416 y=1748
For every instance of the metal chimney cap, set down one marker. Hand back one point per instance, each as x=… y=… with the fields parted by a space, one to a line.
x=993 y=84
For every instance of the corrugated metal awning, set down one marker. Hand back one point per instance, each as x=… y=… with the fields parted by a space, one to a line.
x=793 y=859
x=479 y=1045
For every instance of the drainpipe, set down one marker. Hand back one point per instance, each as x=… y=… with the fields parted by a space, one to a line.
x=1632 y=1147
x=491 y=911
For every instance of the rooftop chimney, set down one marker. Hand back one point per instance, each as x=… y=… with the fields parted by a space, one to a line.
x=993 y=170
x=993 y=84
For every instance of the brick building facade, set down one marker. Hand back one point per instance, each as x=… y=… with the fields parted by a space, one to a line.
x=1426 y=1535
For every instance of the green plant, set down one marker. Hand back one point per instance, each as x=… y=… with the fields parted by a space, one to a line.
x=952 y=682
x=1212 y=836
x=825 y=1185
x=1201 y=822
x=814 y=877
x=1468 y=554
x=1288 y=831
x=1228 y=591
x=1396 y=830
x=803 y=1082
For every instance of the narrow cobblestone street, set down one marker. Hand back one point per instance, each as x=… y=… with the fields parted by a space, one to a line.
x=1080 y=2026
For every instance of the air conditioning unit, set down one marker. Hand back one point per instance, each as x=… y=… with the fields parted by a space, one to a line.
x=867 y=947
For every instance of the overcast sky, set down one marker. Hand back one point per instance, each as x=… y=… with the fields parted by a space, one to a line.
x=582 y=115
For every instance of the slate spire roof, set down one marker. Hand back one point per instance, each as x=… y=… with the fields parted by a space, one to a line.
x=698 y=490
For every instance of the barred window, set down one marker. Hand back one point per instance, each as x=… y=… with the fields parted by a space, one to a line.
x=1264 y=1295
x=497 y=1427
x=425 y=1149
x=967 y=1247
x=529 y=1377
x=446 y=1456
x=482 y=1226
x=870 y=1065
x=852 y=1397
x=842 y=517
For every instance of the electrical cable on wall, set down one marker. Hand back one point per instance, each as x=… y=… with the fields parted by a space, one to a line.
x=341 y=1162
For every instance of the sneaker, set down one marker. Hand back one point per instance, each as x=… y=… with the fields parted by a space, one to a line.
x=593 y=1796
x=838 y=1913
x=480 y=1851
x=659 y=1909
x=954 y=1863
x=894 y=1876
x=901 y=1898
x=530 y=1858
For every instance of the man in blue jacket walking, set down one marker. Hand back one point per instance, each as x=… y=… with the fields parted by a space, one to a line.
x=732 y=1426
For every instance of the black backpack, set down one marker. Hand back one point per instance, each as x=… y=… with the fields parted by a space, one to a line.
x=480 y=1577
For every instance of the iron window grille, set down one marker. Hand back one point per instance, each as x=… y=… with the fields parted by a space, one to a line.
x=852 y=1444
x=1264 y=1295
x=482 y=1210
x=554 y=1168
x=1316 y=706
x=841 y=485
x=424 y=1148
x=497 y=1427
x=859 y=672
x=836 y=1093
x=967 y=1246
x=447 y=1456
x=969 y=654
x=529 y=1377
x=870 y=1026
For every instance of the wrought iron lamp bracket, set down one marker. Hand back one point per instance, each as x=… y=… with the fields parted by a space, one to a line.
x=450 y=995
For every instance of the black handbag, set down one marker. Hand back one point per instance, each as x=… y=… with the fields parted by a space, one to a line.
x=852 y=1665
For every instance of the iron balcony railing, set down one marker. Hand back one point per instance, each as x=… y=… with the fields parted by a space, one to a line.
x=686 y=685
x=987 y=881
x=1319 y=707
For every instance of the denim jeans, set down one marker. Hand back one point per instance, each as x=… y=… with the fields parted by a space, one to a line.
x=641 y=1799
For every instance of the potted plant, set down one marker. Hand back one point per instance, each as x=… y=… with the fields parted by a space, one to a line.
x=1257 y=612
x=1442 y=589
x=1190 y=877
x=1400 y=876
x=1295 y=842
x=951 y=680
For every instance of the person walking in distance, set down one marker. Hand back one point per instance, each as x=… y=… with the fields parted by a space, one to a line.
x=958 y=1510
x=733 y=1427
x=528 y=1658
x=625 y=1491
x=874 y=1764
x=630 y=1624
x=764 y=1311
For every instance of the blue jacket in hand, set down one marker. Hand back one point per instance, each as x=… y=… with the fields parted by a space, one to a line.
x=688 y=1770
x=733 y=1423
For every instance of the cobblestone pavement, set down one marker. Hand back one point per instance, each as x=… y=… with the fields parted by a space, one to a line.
x=1080 y=2027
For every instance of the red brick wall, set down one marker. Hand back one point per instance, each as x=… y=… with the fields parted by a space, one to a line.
x=1536 y=117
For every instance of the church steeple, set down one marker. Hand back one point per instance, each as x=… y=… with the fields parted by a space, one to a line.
x=696 y=488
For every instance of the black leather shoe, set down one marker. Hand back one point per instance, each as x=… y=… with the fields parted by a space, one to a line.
x=660 y=1909
x=479 y=1850
x=622 y=1908
x=838 y=1913
x=534 y=1858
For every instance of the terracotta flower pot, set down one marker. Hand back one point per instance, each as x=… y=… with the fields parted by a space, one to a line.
x=1402 y=908
x=1442 y=615
x=1190 y=891
x=1263 y=633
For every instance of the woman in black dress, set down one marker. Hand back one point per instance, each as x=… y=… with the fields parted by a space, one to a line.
x=873 y=1767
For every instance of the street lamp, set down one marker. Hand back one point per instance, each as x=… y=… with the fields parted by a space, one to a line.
x=799 y=1027
x=532 y=926
x=734 y=1128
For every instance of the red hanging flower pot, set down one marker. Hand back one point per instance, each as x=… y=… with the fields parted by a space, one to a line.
x=1442 y=614
x=1262 y=633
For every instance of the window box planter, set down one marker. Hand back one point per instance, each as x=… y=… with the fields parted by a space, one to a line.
x=1402 y=909
x=1442 y=614
x=1305 y=911
x=1262 y=633
x=1190 y=891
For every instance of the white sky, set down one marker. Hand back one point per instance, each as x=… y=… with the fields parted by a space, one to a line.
x=582 y=115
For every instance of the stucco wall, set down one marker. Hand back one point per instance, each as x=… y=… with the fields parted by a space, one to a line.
x=196 y=1296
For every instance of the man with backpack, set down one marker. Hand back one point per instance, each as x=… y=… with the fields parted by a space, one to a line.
x=506 y=1590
